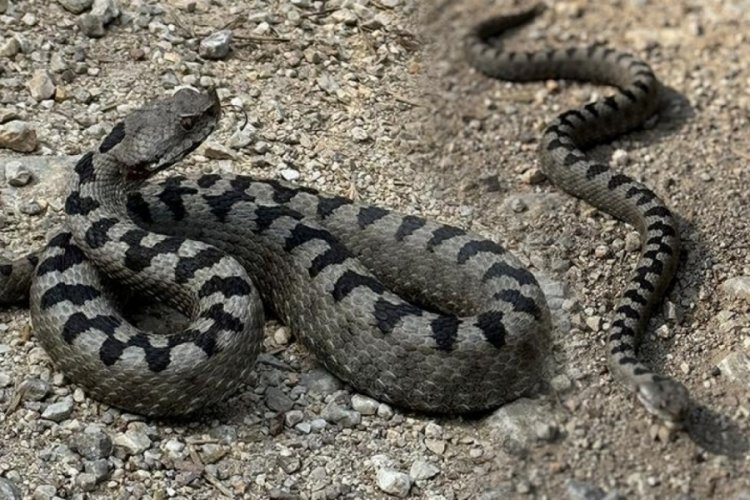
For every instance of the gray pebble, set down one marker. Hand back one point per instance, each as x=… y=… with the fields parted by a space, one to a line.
x=75 y=6
x=106 y=10
x=336 y=414
x=277 y=400
x=100 y=469
x=293 y=417
x=92 y=444
x=364 y=405
x=422 y=469
x=321 y=382
x=394 y=482
x=216 y=45
x=738 y=287
x=578 y=490
x=8 y=490
x=41 y=86
x=16 y=174
x=134 y=442
x=5 y=380
x=91 y=26
x=18 y=136
x=44 y=492
x=35 y=389
x=57 y=412
x=86 y=481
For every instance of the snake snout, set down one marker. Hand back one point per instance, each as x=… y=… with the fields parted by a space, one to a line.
x=665 y=398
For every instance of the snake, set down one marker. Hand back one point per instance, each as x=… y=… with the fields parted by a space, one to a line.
x=423 y=315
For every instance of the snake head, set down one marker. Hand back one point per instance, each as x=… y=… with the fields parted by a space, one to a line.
x=162 y=133
x=665 y=398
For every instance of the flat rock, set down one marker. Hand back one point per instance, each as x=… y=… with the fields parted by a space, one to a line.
x=394 y=482
x=18 y=135
x=516 y=423
x=9 y=491
x=216 y=45
x=738 y=287
x=736 y=367
x=57 y=412
x=75 y=6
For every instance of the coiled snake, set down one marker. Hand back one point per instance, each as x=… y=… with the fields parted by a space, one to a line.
x=412 y=312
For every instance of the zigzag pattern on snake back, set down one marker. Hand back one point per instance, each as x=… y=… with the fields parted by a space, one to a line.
x=412 y=312
x=565 y=164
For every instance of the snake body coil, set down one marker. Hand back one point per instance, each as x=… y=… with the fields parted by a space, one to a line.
x=420 y=314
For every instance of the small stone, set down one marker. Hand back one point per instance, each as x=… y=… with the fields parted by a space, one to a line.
x=57 y=412
x=293 y=417
x=16 y=174
x=216 y=151
x=18 y=136
x=34 y=389
x=276 y=400
x=290 y=174
x=174 y=448
x=738 y=287
x=437 y=446
x=92 y=444
x=359 y=134
x=601 y=252
x=212 y=452
x=336 y=414
x=282 y=335
x=318 y=424
x=632 y=241
x=422 y=469
x=134 y=442
x=86 y=481
x=394 y=482
x=433 y=430
x=242 y=138
x=736 y=366
x=533 y=176
x=364 y=405
x=5 y=380
x=75 y=6
x=304 y=427
x=8 y=490
x=29 y=19
x=91 y=26
x=10 y=47
x=385 y=411
x=620 y=158
x=216 y=45
x=106 y=10
x=561 y=383
x=44 y=492
x=518 y=205
x=261 y=147
x=546 y=431
x=578 y=490
x=100 y=469
x=321 y=382
x=594 y=322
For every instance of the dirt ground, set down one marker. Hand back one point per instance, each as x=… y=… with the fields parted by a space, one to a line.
x=373 y=99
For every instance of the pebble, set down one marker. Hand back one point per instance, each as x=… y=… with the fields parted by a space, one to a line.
x=5 y=380
x=601 y=252
x=364 y=405
x=75 y=6
x=422 y=469
x=90 y=25
x=594 y=322
x=620 y=158
x=8 y=490
x=44 y=492
x=578 y=490
x=276 y=400
x=18 y=136
x=321 y=382
x=290 y=174
x=17 y=174
x=394 y=482
x=10 y=47
x=134 y=442
x=293 y=417
x=336 y=414
x=437 y=446
x=632 y=241
x=216 y=45
x=99 y=468
x=738 y=287
x=533 y=176
x=518 y=205
x=216 y=151
x=517 y=423
x=35 y=389
x=359 y=134
x=86 y=481
x=91 y=444
x=282 y=335
x=57 y=412
x=736 y=367
x=561 y=383
x=385 y=411
x=106 y=10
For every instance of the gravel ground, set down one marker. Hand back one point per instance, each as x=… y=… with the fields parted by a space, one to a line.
x=372 y=99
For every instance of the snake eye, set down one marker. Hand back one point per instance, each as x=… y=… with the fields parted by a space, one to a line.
x=187 y=123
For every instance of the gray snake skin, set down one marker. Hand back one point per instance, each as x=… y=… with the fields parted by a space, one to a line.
x=412 y=312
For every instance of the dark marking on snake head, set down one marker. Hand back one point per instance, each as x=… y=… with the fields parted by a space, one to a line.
x=369 y=215
x=77 y=294
x=445 y=331
x=350 y=280
x=443 y=233
x=85 y=168
x=113 y=138
x=409 y=224
x=492 y=327
x=388 y=314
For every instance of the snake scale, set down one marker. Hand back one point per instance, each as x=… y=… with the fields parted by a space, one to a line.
x=420 y=314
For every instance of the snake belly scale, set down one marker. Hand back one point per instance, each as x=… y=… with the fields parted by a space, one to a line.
x=409 y=311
